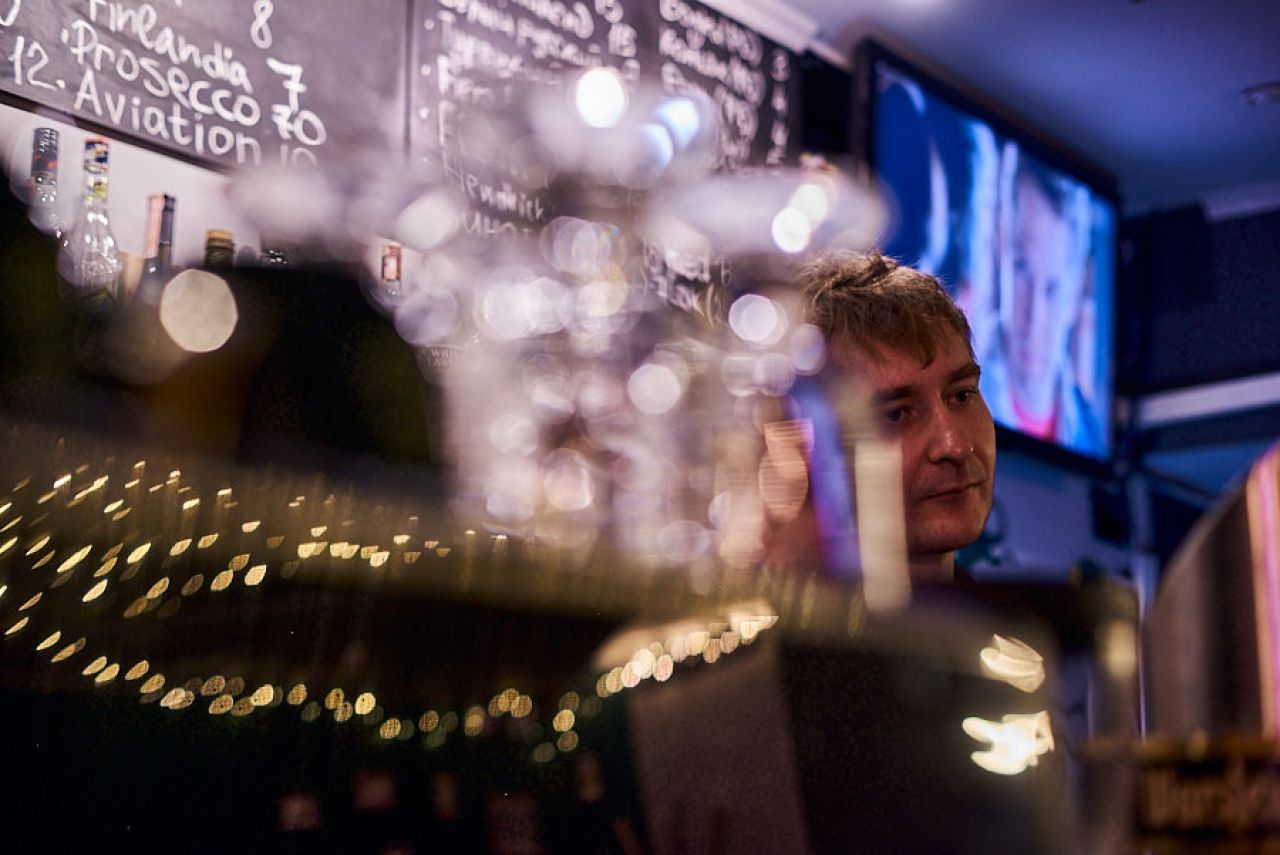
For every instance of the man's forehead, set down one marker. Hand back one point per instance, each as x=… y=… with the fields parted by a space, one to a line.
x=884 y=361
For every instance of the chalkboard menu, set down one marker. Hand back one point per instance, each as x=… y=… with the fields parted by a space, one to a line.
x=465 y=49
x=246 y=82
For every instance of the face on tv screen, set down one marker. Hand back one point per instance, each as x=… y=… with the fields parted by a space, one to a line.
x=1025 y=249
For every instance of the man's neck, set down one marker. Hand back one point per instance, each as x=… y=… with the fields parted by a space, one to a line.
x=933 y=569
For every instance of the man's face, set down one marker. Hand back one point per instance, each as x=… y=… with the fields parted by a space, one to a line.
x=947 y=439
x=1042 y=316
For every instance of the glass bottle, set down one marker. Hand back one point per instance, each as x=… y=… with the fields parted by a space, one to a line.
x=219 y=248
x=44 y=211
x=156 y=269
x=88 y=261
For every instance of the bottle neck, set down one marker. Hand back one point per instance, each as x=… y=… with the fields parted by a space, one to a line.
x=95 y=187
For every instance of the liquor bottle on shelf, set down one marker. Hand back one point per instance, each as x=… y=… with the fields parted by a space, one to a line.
x=219 y=248
x=157 y=269
x=44 y=211
x=390 y=275
x=88 y=262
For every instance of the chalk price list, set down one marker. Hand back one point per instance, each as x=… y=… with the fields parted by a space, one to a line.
x=125 y=66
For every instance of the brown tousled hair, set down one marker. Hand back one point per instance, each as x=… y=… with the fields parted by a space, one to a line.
x=870 y=300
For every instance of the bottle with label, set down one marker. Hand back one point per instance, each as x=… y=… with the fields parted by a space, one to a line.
x=390 y=276
x=44 y=211
x=219 y=248
x=156 y=270
x=88 y=261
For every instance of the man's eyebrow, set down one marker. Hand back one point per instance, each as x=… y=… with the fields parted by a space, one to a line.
x=896 y=393
x=969 y=370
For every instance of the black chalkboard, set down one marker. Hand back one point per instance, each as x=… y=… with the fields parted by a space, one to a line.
x=464 y=50
x=246 y=82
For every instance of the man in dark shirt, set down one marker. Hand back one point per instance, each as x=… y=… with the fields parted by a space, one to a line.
x=908 y=348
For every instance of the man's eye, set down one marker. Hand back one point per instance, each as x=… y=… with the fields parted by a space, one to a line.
x=964 y=396
x=896 y=416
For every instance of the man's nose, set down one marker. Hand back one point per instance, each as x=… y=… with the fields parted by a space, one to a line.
x=948 y=439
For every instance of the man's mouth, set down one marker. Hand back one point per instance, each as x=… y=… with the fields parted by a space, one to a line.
x=951 y=492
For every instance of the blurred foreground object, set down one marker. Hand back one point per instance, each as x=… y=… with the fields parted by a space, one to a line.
x=1210 y=778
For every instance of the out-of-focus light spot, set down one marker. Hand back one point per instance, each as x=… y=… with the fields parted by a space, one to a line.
x=570 y=701
x=70 y=650
x=50 y=640
x=522 y=706
x=613 y=681
x=601 y=298
x=106 y=675
x=17 y=627
x=473 y=722
x=8 y=544
x=242 y=707
x=263 y=696
x=138 y=670
x=630 y=679
x=654 y=388
x=274 y=541
x=344 y=712
x=808 y=349
x=296 y=695
x=154 y=683
x=255 y=575
x=390 y=728
x=311 y=712
x=113 y=506
x=221 y=704
x=178 y=698
x=563 y=721
x=758 y=320
x=206 y=541
x=1016 y=741
x=513 y=432
x=74 y=559
x=600 y=97
x=192 y=585
x=365 y=703
x=235 y=686
x=37 y=545
x=95 y=666
x=138 y=554
x=198 y=311
x=791 y=230
x=428 y=221
x=158 y=589
x=811 y=199
x=428 y=315
x=711 y=652
x=107 y=566
x=568 y=483
x=45 y=559
x=213 y=686
x=663 y=668
x=1119 y=649
x=31 y=602
x=250 y=526
x=1013 y=662
x=191 y=504
x=696 y=642
x=642 y=663
x=684 y=541
x=180 y=547
x=681 y=117
x=222 y=581
x=567 y=742
x=544 y=753
x=429 y=721
x=334 y=699
x=95 y=592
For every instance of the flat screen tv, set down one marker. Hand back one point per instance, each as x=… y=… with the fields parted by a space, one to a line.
x=1021 y=235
